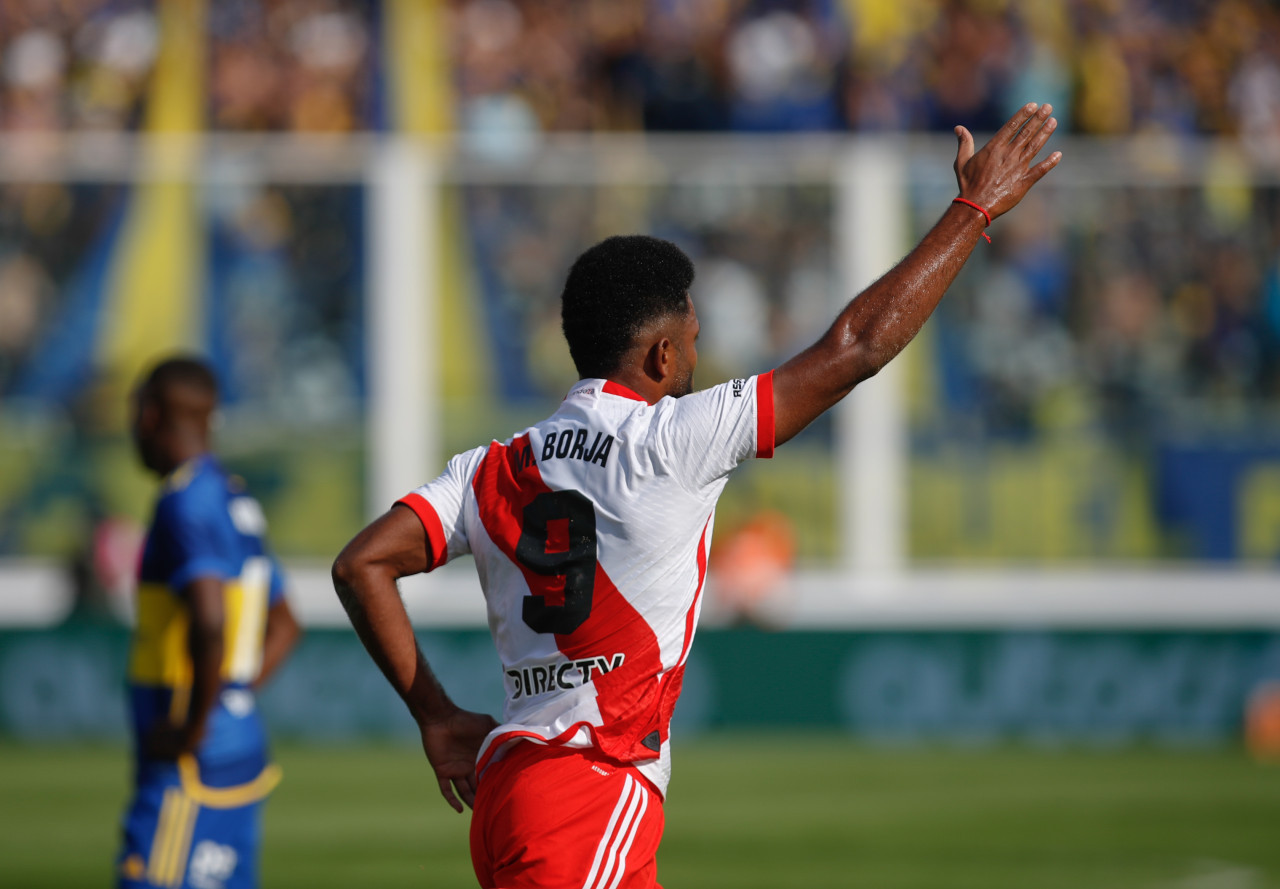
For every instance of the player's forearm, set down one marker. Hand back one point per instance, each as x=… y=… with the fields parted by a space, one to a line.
x=281 y=635
x=373 y=605
x=205 y=643
x=877 y=325
x=206 y=646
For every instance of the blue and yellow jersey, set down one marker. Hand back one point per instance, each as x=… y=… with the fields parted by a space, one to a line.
x=206 y=525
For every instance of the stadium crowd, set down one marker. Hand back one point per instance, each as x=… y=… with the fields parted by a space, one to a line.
x=283 y=65
x=1093 y=293
x=1108 y=66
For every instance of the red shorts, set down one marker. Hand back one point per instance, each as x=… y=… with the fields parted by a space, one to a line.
x=565 y=818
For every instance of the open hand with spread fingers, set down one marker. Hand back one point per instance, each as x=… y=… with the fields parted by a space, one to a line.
x=997 y=177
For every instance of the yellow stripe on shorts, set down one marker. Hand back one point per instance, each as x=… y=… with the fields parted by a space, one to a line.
x=172 y=840
x=162 y=838
x=165 y=874
x=182 y=848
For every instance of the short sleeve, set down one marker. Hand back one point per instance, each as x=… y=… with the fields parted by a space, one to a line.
x=440 y=505
x=189 y=534
x=710 y=432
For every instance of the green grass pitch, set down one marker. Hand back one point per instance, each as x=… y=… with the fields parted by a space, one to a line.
x=744 y=811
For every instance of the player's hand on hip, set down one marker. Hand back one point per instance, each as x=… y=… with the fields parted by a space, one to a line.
x=452 y=743
x=165 y=741
x=998 y=176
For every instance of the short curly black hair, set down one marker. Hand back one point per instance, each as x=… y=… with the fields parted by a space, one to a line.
x=613 y=290
x=189 y=371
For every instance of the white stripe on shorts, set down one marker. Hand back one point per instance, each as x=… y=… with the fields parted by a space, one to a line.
x=631 y=834
x=625 y=829
x=622 y=823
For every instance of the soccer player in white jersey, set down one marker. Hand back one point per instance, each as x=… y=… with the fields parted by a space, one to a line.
x=590 y=532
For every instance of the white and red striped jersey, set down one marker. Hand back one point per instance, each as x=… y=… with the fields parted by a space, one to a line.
x=590 y=532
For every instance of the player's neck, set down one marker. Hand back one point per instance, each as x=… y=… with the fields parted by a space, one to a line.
x=652 y=391
x=180 y=454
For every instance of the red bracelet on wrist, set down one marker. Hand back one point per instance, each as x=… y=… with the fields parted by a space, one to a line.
x=981 y=210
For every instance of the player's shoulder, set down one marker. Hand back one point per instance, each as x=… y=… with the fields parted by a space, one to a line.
x=460 y=469
x=713 y=400
x=680 y=429
x=737 y=389
x=465 y=462
x=197 y=486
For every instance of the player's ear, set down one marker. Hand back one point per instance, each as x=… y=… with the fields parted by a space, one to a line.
x=654 y=360
x=659 y=361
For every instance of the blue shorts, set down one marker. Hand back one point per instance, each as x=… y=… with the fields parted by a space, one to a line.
x=178 y=835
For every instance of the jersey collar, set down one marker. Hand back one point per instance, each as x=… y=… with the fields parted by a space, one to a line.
x=612 y=388
x=603 y=387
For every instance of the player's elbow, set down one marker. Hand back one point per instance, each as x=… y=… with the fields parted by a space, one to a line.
x=282 y=624
x=347 y=570
x=859 y=357
x=357 y=568
x=871 y=365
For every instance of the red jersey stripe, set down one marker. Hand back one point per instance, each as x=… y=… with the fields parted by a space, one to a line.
x=612 y=388
x=766 y=426
x=673 y=681
x=692 y=616
x=437 y=546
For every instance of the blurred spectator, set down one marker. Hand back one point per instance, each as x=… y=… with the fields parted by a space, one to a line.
x=784 y=68
x=494 y=112
x=24 y=292
x=300 y=65
x=683 y=66
x=74 y=65
x=733 y=306
x=751 y=566
x=970 y=51
x=1254 y=96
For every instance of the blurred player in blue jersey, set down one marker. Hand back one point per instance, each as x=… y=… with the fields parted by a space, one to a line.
x=212 y=625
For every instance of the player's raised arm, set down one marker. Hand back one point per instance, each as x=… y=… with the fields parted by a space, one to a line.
x=364 y=576
x=881 y=320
